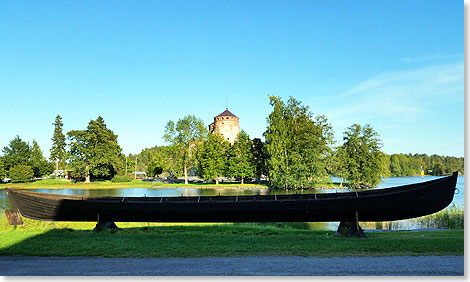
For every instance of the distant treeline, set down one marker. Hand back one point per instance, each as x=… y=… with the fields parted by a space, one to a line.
x=411 y=165
x=400 y=165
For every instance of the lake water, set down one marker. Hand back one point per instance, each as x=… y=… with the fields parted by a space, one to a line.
x=191 y=191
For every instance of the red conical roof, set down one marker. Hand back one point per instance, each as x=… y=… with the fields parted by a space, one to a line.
x=226 y=113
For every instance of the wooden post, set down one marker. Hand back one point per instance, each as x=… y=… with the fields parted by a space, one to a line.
x=351 y=229
x=103 y=224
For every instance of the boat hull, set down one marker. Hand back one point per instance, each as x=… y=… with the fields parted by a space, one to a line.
x=387 y=204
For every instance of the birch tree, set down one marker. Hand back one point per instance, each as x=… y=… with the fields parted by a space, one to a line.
x=183 y=136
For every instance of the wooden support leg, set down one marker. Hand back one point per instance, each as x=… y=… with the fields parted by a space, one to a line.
x=103 y=225
x=350 y=229
x=13 y=217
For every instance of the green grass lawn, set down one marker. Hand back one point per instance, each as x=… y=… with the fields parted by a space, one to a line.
x=201 y=240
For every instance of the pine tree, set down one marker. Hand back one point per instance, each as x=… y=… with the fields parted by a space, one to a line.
x=38 y=163
x=58 y=149
x=95 y=152
x=18 y=152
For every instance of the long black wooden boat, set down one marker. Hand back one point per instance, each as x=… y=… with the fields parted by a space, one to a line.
x=371 y=205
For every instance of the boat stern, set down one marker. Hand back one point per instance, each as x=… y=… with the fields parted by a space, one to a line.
x=13 y=214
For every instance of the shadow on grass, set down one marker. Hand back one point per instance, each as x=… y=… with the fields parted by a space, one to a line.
x=223 y=241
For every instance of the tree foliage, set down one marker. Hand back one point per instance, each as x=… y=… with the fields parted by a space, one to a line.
x=183 y=136
x=21 y=173
x=58 y=149
x=361 y=157
x=163 y=163
x=94 y=152
x=212 y=157
x=129 y=164
x=3 y=173
x=38 y=162
x=240 y=162
x=297 y=145
x=259 y=158
x=17 y=152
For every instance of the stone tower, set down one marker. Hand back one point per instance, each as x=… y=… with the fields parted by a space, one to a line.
x=226 y=124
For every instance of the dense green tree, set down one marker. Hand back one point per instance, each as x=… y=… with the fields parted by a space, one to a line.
x=162 y=163
x=156 y=165
x=95 y=152
x=17 y=152
x=78 y=155
x=3 y=173
x=361 y=156
x=259 y=158
x=335 y=164
x=145 y=157
x=58 y=149
x=452 y=164
x=21 y=173
x=384 y=164
x=38 y=162
x=212 y=157
x=405 y=165
x=129 y=163
x=184 y=136
x=240 y=161
x=297 y=145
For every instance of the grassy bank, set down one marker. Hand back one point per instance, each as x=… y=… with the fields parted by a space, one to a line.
x=61 y=184
x=200 y=240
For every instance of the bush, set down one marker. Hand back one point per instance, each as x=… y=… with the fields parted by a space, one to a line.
x=121 y=178
x=21 y=173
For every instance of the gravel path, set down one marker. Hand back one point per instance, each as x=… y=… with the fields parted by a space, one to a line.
x=227 y=266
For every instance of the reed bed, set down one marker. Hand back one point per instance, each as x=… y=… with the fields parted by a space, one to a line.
x=450 y=218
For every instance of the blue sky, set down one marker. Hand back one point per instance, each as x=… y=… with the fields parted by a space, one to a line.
x=397 y=65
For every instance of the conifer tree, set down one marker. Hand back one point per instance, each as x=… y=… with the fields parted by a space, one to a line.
x=58 y=149
x=18 y=152
x=94 y=151
x=38 y=163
